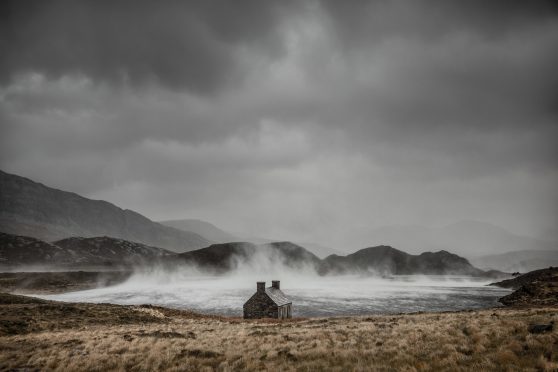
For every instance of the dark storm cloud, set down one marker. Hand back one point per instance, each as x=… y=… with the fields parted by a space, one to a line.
x=180 y=44
x=474 y=81
x=362 y=21
x=343 y=112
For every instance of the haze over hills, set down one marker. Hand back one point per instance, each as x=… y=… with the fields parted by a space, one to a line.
x=33 y=209
x=29 y=208
x=319 y=250
x=202 y=228
x=217 y=235
x=466 y=238
x=519 y=261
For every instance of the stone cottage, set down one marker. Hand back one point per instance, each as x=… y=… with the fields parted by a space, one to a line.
x=268 y=302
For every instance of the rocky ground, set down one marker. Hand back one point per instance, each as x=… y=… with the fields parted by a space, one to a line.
x=45 y=335
x=538 y=288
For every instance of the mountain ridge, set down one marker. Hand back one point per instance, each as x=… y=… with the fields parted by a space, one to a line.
x=32 y=208
x=225 y=257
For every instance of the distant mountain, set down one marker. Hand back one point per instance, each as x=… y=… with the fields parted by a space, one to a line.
x=385 y=260
x=202 y=228
x=519 y=261
x=75 y=252
x=466 y=238
x=33 y=209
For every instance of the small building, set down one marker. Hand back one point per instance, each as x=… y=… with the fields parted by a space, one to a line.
x=268 y=302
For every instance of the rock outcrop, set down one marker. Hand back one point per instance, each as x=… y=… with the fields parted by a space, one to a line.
x=539 y=287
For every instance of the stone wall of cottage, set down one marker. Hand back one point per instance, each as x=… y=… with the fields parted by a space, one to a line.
x=260 y=306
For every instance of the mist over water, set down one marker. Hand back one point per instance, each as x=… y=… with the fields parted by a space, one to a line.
x=312 y=295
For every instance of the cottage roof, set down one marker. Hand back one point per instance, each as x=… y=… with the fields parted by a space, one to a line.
x=277 y=296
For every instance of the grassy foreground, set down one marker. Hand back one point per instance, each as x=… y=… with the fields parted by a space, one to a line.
x=46 y=335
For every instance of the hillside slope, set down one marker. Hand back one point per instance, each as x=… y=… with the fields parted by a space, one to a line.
x=33 y=209
x=17 y=251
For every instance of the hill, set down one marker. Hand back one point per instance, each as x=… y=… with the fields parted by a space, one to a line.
x=113 y=251
x=23 y=251
x=386 y=260
x=33 y=209
x=381 y=260
x=217 y=257
x=202 y=228
x=466 y=238
x=229 y=256
x=17 y=251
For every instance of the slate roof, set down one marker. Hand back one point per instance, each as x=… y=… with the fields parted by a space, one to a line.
x=277 y=296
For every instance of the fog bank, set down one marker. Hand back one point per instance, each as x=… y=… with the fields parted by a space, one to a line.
x=311 y=295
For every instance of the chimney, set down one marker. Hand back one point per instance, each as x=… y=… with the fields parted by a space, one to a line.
x=275 y=284
x=261 y=286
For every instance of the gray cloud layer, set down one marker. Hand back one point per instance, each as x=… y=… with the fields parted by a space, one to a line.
x=180 y=44
x=303 y=120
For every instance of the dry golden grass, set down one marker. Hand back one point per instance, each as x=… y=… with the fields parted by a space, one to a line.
x=495 y=339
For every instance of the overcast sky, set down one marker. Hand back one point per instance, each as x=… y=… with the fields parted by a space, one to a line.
x=302 y=120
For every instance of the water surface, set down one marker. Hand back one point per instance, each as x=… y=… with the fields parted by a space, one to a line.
x=311 y=295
